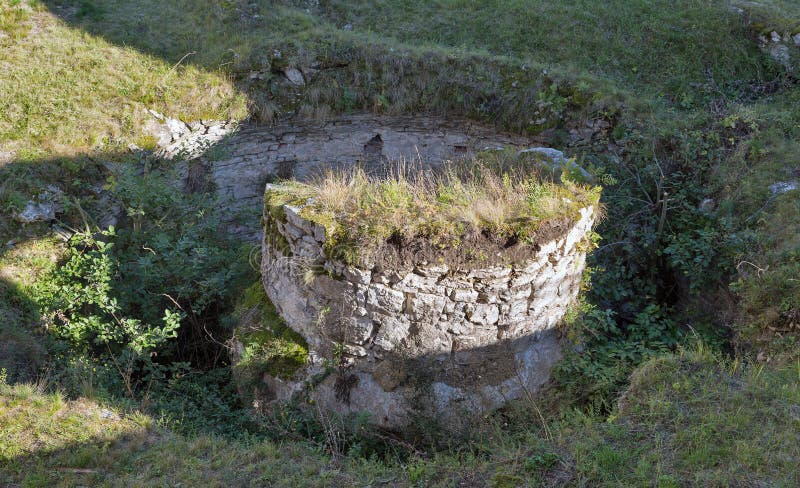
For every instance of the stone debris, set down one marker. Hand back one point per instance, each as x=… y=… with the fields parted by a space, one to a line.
x=176 y=138
x=556 y=163
x=782 y=187
x=294 y=76
x=44 y=208
x=481 y=336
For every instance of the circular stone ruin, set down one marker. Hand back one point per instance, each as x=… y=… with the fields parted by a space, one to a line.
x=419 y=330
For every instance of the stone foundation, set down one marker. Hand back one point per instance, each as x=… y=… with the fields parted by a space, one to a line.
x=428 y=339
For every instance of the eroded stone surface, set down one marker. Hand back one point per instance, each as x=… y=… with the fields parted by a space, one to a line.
x=434 y=339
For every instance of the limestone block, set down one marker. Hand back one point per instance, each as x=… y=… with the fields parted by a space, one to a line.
x=358 y=276
x=413 y=282
x=466 y=296
x=427 y=307
x=484 y=314
x=358 y=330
x=383 y=299
x=392 y=331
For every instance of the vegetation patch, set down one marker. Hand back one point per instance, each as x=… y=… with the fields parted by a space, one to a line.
x=268 y=345
x=448 y=208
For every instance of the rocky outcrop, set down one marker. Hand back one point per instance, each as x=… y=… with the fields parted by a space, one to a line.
x=177 y=139
x=783 y=48
x=428 y=337
x=44 y=208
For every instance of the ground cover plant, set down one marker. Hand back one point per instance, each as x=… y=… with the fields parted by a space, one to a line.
x=683 y=115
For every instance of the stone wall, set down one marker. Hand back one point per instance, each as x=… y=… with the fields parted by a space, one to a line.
x=431 y=339
x=257 y=154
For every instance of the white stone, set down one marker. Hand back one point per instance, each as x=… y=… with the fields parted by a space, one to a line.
x=783 y=187
x=384 y=299
x=413 y=282
x=295 y=76
x=36 y=212
x=293 y=217
x=467 y=296
x=427 y=307
x=359 y=330
x=392 y=331
x=484 y=314
x=356 y=275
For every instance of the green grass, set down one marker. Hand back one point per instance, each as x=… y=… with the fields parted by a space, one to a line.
x=89 y=93
x=361 y=212
x=768 y=269
x=658 y=44
x=687 y=419
x=22 y=352
x=782 y=16
x=691 y=419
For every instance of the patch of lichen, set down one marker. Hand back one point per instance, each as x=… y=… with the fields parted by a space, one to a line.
x=268 y=345
x=501 y=196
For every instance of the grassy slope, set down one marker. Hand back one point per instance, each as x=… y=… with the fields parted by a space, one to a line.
x=769 y=271
x=88 y=92
x=662 y=44
x=687 y=419
x=97 y=97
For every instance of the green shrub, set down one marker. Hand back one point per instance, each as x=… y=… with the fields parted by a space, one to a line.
x=79 y=307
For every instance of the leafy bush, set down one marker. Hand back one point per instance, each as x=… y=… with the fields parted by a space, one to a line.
x=79 y=307
x=137 y=310
x=596 y=369
x=174 y=252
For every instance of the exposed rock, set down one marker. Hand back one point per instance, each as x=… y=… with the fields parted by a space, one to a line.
x=707 y=205
x=782 y=187
x=175 y=138
x=256 y=154
x=44 y=209
x=294 y=76
x=556 y=163
x=782 y=46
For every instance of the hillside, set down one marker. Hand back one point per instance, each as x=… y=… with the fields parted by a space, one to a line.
x=121 y=290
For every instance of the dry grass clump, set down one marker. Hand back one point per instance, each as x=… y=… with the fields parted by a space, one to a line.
x=442 y=205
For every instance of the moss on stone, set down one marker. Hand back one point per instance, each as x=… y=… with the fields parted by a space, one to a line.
x=268 y=345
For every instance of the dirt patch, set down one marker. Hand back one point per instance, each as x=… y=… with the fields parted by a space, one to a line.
x=474 y=251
